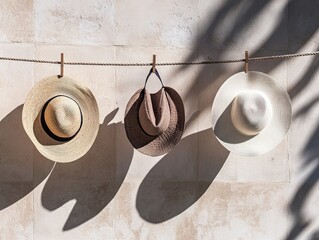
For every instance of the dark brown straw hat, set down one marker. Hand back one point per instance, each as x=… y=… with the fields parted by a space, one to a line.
x=154 y=123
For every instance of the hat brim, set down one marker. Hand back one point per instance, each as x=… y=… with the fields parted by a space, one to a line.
x=271 y=135
x=160 y=144
x=52 y=149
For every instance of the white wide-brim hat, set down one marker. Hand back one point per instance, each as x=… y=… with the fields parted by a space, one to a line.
x=233 y=100
x=60 y=102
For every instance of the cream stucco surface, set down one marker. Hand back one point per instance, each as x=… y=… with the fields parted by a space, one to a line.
x=199 y=190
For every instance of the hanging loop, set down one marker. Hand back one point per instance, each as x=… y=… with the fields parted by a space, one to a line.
x=246 y=61
x=156 y=73
x=62 y=66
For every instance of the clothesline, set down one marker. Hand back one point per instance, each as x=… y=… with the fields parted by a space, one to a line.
x=250 y=59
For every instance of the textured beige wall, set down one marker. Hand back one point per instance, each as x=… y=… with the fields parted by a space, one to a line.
x=198 y=190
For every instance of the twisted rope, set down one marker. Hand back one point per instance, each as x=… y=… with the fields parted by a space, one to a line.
x=164 y=64
x=283 y=56
x=29 y=60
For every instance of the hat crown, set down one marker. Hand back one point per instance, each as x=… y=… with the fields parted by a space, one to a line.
x=154 y=112
x=251 y=112
x=63 y=116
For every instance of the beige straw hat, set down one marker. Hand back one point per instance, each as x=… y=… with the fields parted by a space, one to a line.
x=251 y=113
x=154 y=123
x=61 y=118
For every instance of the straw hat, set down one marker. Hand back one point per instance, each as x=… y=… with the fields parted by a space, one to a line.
x=251 y=113
x=154 y=123
x=61 y=118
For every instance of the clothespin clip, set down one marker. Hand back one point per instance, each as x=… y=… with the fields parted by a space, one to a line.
x=246 y=61
x=154 y=63
x=62 y=66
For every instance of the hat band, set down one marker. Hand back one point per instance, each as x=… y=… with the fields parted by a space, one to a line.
x=47 y=129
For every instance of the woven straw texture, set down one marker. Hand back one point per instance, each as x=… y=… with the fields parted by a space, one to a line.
x=154 y=114
x=31 y=117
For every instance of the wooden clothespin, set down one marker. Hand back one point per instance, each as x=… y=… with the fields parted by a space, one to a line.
x=154 y=63
x=246 y=61
x=62 y=66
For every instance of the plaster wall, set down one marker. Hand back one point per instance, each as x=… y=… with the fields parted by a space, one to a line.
x=197 y=191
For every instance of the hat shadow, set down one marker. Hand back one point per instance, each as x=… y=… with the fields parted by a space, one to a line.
x=225 y=129
x=17 y=161
x=94 y=179
x=176 y=182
